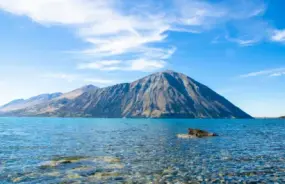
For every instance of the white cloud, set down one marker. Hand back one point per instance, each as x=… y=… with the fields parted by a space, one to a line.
x=270 y=73
x=105 y=25
x=116 y=45
x=59 y=11
x=135 y=31
x=278 y=36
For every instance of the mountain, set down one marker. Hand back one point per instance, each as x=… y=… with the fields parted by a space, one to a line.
x=165 y=94
x=22 y=104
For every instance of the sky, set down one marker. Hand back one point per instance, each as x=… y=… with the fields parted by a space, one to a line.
x=235 y=47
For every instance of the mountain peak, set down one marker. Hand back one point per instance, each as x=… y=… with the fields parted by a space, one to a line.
x=168 y=72
x=88 y=87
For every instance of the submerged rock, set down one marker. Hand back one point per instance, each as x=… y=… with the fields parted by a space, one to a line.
x=104 y=175
x=61 y=161
x=82 y=168
x=53 y=174
x=196 y=133
x=22 y=177
x=185 y=136
x=16 y=180
x=73 y=176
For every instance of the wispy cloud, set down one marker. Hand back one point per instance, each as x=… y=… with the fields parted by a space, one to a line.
x=131 y=65
x=242 y=42
x=277 y=74
x=248 y=32
x=100 y=65
x=136 y=31
x=269 y=73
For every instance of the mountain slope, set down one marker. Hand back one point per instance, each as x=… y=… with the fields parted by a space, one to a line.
x=22 y=104
x=161 y=95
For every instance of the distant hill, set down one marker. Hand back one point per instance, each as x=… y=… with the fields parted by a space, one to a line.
x=165 y=94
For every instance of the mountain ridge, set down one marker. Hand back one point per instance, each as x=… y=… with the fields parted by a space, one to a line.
x=165 y=94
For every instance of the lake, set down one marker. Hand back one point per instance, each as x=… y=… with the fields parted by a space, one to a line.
x=54 y=150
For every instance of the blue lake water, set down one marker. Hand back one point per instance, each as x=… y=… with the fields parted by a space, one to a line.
x=54 y=150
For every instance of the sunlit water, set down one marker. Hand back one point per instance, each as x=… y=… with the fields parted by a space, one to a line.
x=50 y=150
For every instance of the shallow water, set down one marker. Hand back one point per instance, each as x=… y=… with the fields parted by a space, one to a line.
x=51 y=150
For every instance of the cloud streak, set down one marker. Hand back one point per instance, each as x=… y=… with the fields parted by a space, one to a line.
x=277 y=72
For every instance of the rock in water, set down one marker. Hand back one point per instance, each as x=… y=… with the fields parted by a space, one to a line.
x=200 y=133
x=196 y=133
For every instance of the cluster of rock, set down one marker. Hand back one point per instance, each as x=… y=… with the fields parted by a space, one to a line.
x=75 y=169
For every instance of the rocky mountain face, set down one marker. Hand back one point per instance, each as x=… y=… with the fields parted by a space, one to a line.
x=161 y=95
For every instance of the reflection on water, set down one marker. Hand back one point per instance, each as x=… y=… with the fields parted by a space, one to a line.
x=50 y=150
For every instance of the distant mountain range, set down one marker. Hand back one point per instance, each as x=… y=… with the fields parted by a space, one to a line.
x=165 y=94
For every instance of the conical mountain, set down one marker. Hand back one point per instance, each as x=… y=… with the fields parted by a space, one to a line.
x=165 y=94
x=172 y=94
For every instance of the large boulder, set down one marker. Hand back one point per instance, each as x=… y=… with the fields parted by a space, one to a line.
x=200 y=133
x=196 y=133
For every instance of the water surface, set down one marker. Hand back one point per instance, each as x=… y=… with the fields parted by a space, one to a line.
x=54 y=150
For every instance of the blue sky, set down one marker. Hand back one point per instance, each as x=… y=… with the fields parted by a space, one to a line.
x=236 y=47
